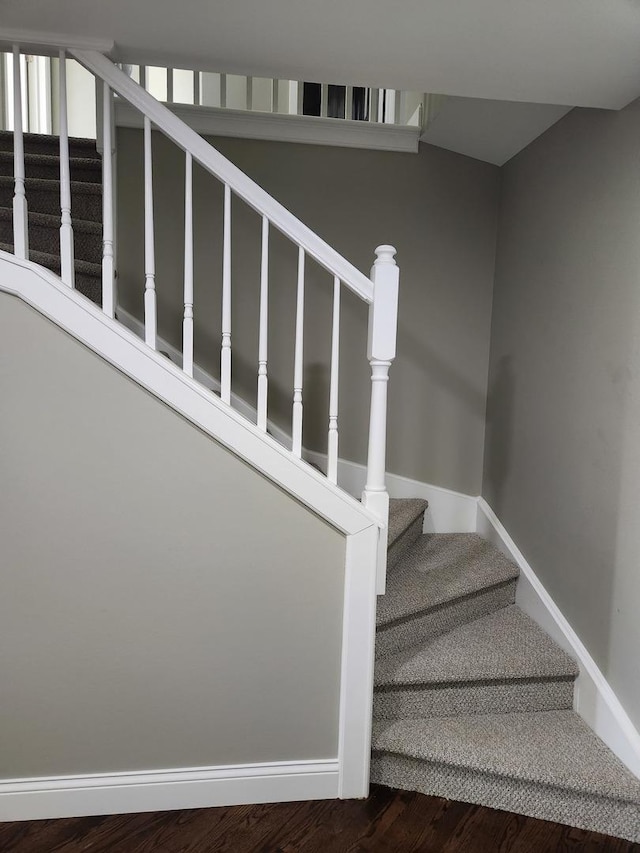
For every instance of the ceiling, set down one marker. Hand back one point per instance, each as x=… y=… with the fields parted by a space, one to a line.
x=493 y=131
x=572 y=52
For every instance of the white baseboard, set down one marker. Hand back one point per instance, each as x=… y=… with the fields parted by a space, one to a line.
x=201 y=787
x=594 y=700
x=448 y=512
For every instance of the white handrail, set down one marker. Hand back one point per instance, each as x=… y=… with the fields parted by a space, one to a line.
x=213 y=161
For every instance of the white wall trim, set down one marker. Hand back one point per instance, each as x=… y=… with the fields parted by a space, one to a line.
x=159 y=790
x=279 y=127
x=50 y=43
x=448 y=512
x=595 y=700
x=110 y=339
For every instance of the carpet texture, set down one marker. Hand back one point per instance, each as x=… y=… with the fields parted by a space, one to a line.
x=42 y=166
x=473 y=700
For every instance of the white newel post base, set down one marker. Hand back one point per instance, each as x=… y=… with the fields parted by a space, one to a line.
x=381 y=350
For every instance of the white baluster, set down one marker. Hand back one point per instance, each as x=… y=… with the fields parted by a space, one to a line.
x=225 y=353
x=67 y=266
x=150 y=310
x=373 y=105
x=324 y=100
x=264 y=323
x=348 y=102
x=187 y=323
x=381 y=350
x=143 y=76
x=298 y=358
x=108 y=267
x=332 y=447
x=20 y=209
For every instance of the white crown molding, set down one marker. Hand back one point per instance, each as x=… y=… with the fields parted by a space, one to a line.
x=159 y=790
x=312 y=130
x=595 y=700
x=51 y=43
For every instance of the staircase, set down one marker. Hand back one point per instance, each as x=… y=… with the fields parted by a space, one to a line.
x=473 y=701
x=42 y=166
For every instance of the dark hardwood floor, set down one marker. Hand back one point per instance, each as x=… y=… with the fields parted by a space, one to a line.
x=388 y=822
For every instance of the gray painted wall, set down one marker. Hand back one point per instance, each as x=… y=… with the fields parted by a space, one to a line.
x=162 y=604
x=440 y=211
x=562 y=463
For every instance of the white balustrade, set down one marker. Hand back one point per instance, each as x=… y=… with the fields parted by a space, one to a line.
x=380 y=291
x=187 y=323
x=20 y=208
x=332 y=443
x=108 y=263
x=67 y=265
x=150 y=309
x=264 y=324
x=298 y=370
x=225 y=350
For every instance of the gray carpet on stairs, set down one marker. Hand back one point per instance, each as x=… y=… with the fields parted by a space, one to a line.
x=473 y=699
x=43 y=199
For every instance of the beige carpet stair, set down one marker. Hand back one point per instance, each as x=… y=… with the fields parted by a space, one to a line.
x=473 y=700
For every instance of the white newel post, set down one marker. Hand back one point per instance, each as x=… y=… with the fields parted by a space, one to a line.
x=381 y=350
x=108 y=263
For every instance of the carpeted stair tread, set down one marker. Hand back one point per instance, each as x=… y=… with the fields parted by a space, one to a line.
x=441 y=568
x=504 y=645
x=53 y=185
x=51 y=160
x=52 y=262
x=50 y=220
x=402 y=514
x=40 y=143
x=554 y=748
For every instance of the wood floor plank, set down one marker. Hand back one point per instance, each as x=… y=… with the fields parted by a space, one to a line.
x=387 y=821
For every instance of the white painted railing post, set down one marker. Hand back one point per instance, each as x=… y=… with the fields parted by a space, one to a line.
x=150 y=311
x=108 y=264
x=20 y=210
x=381 y=350
x=263 y=381
x=332 y=441
x=67 y=266
x=187 y=322
x=298 y=361
x=225 y=348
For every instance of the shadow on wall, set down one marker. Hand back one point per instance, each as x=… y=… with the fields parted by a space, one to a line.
x=499 y=429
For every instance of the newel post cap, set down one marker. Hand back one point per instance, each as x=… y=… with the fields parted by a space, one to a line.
x=385 y=255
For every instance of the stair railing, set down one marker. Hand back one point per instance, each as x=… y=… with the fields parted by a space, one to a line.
x=379 y=291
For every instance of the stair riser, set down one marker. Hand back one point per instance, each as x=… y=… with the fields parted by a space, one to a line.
x=422 y=627
x=473 y=698
x=83 y=205
x=404 y=542
x=51 y=170
x=596 y=814
x=87 y=247
x=49 y=145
